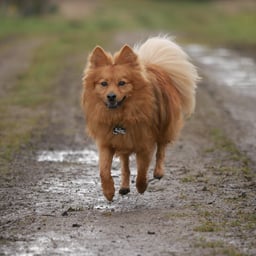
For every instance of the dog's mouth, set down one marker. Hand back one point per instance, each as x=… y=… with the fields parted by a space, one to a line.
x=112 y=104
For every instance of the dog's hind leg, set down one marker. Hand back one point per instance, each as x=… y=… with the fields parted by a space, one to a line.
x=143 y=162
x=107 y=183
x=160 y=155
x=125 y=174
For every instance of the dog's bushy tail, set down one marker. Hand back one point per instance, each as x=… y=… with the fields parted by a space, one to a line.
x=163 y=52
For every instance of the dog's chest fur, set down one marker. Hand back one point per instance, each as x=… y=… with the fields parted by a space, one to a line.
x=129 y=138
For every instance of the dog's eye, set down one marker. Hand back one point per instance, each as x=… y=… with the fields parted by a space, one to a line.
x=104 y=83
x=121 y=83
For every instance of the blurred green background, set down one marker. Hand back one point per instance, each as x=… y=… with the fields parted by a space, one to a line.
x=229 y=22
x=68 y=28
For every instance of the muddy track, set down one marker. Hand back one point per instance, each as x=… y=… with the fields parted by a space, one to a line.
x=15 y=57
x=52 y=204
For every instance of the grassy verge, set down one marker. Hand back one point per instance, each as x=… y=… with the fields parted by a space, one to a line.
x=218 y=247
x=26 y=104
x=212 y=22
x=235 y=162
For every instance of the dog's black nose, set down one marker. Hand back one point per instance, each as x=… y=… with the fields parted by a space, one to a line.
x=111 y=96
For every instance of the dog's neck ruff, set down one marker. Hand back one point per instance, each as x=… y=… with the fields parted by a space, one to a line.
x=119 y=130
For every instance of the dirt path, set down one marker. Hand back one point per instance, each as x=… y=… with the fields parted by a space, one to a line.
x=52 y=204
x=16 y=57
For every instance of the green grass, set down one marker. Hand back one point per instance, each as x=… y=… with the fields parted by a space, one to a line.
x=217 y=247
x=25 y=106
x=235 y=161
x=188 y=179
x=211 y=22
x=207 y=226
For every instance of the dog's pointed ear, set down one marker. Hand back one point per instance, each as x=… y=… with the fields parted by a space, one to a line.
x=99 y=57
x=126 y=56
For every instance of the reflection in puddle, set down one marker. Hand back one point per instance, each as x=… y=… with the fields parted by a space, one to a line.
x=86 y=156
x=70 y=156
x=225 y=66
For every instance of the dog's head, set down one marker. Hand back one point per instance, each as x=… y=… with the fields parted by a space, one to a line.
x=113 y=79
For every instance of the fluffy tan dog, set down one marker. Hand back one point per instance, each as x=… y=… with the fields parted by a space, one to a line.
x=134 y=102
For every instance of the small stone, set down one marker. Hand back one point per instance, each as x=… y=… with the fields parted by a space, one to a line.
x=64 y=213
x=204 y=188
x=243 y=195
x=75 y=225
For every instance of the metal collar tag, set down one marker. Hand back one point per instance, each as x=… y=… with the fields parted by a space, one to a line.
x=119 y=130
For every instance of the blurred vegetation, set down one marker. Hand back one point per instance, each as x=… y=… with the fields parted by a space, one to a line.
x=27 y=7
x=211 y=22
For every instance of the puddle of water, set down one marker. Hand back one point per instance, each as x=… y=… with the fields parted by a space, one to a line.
x=49 y=243
x=77 y=182
x=81 y=180
x=70 y=156
x=86 y=156
x=225 y=66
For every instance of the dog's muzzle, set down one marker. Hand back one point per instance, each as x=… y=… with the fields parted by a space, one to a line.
x=112 y=101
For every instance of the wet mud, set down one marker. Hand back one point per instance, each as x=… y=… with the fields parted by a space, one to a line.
x=52 y=203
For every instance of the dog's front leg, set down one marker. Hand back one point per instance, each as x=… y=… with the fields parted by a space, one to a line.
x=107 y=183
x=143 y=161
x=125 y=177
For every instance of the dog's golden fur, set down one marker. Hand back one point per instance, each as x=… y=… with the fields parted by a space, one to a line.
x=147 y=92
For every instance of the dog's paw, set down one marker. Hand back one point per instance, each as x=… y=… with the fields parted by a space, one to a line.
x=141 y=186
x=109 y=195
x=158 y=176
x=158 y=173
x=108 y=190
x=124 y=191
